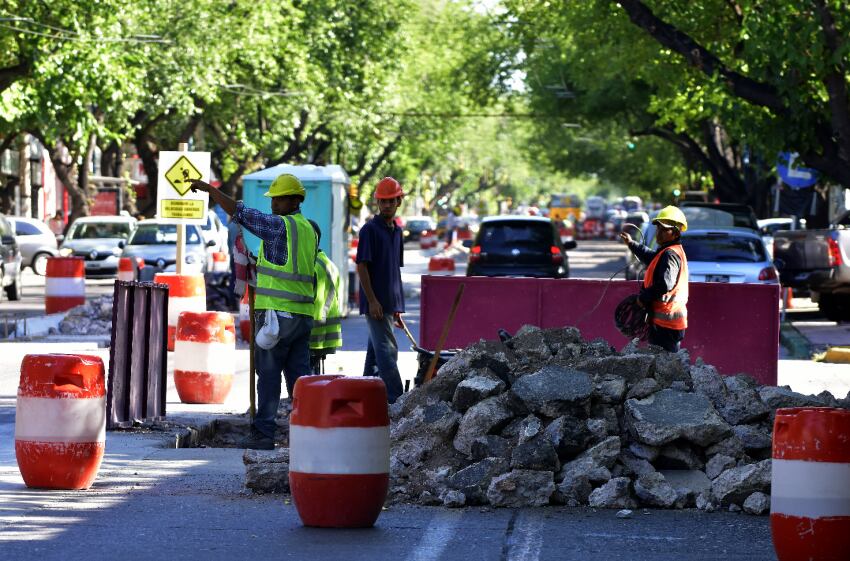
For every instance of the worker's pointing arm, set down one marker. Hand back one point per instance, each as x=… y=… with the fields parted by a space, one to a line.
x=228 y=204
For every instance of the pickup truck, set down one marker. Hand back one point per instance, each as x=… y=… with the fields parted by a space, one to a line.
x=819 y=261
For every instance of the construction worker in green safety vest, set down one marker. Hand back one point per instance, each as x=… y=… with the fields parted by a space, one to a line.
x=285 y=294
x=326 y=336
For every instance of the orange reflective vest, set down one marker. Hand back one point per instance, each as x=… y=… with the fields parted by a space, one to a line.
x=671 y=311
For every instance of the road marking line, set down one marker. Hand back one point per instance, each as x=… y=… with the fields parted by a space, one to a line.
x=632 y=537
x=527 y=539
x=436 y=536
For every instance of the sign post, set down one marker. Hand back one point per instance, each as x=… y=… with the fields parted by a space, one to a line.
x=176 y=203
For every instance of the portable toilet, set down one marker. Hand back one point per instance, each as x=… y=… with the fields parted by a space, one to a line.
x=326 y=203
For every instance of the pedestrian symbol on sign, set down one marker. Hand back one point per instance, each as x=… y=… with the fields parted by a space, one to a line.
x=181 y=175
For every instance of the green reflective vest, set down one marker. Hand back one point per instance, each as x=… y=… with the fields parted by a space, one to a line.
x=290 y=287
x=327 y=320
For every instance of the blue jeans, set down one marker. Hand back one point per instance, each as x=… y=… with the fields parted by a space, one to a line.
x=291 y=355
x=382 y=355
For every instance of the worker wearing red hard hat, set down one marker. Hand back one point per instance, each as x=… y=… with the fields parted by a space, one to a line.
x=380 y=256
x=664 y=291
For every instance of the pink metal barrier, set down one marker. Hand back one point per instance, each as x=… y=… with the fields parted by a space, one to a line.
x=735 y=327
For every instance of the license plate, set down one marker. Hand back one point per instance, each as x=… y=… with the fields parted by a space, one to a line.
x=716 y=278
x=93 y=265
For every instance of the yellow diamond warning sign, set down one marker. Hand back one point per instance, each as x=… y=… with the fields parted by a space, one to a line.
x=181 y=175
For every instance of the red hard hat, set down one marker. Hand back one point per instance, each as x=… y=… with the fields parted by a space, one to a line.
x=388 y=188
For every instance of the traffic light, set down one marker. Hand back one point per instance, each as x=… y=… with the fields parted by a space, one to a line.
x=676 y=192
x=631 y=145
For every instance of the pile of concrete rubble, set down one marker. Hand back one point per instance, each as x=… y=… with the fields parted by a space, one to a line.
x=92 y=318
x=548 y=418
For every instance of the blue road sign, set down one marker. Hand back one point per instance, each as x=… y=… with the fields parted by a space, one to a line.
x=793 y=175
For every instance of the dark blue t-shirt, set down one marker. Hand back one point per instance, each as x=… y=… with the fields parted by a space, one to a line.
x=382 y=249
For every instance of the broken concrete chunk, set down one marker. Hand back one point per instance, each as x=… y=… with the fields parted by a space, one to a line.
x=490 y=446
x=776 y=397
x=653 y=490
x=521 y=488
x=718 y=464
x=453 y=499
x=267 y=471
x=529 y=344
x=757 y=503
x=669 y=414
x=569 y=436
x=474 y=480
x=482 y=418
x=643 y=388
x=475 y=389
x=553 y=391
x=632 y=368
x=736 y=484
x=613 y=494
x=753 y=437
x=537 y=454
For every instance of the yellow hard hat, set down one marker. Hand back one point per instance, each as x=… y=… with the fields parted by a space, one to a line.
x=286 y=184
x=670 y=215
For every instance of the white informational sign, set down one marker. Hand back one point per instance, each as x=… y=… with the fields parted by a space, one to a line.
x=175 y=201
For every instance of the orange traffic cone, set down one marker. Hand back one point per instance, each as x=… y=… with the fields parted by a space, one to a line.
x=789 y=297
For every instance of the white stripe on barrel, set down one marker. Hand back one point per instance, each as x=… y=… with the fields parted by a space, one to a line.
x=339 y=450
x=186 y=293
x=60 y=420
x=64 y=284
x=245 y=318
x=204 y=356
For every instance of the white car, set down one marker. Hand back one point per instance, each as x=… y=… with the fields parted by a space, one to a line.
x=732 y=255
x=98 y=240
x=769 y=226
x=215 y=230
x=36 y=241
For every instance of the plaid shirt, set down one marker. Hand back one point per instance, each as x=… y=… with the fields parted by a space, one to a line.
x=268 y=227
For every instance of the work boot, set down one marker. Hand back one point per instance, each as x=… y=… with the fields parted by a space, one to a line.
x=257 y=441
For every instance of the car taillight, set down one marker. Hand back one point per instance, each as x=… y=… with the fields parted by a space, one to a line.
x=834 y=253
x=557 y=258
x=768 y=274
x=475 y=254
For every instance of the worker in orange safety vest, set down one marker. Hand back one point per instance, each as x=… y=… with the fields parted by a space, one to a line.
x=664 y=293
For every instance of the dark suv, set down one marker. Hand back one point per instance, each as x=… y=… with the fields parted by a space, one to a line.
x=10 y=260
x=518 y=246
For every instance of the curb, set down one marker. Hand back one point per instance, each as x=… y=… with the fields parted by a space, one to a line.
x=794 y=342
x=837 y=355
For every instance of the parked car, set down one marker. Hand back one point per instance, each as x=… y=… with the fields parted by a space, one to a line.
x=98 y=239
x=155 y=242
x=10 y=260
x=216 y=231
x=819 y=261
x=729 y=255
x=36 y=242
x=414 y=226
x=719 y=215
x=518 y=246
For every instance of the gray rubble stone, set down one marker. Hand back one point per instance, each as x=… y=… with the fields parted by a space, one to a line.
x=613 y=494
x=569 y=436
x=625 y=513
x=634 y=465
x=473 y=481
x=529 y=427
x=641 y=450
x=730 y=446
x=689 y=484
x=553 y=391
x=643 y=388
x=537 y=454
x=679 y=455
x=479 y=420
x=475 y=389
x=706 y=502
x=653 y=490
x=521 y=488
x=776 y=397
x=671 y=368
x=267 y=471
x=598 y=429
x=561 y=338
x=753 y=437
x=453 y=499
x=413 y=451
x=594 y=463
x=736 y=484
x=718 y=464
x=529 y=344
x=490 y=446
x=706 y=380
x=741 y=404
x=609 y=388
x=757 y=503
x=669 y=414
x=574 y=490
x=632 y=368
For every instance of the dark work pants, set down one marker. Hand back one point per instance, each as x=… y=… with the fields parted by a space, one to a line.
x=667 y=339
x=382 y=355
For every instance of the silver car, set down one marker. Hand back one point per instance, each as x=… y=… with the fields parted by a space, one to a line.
x=732 y=255
x=156 y=243
x=36 y=242
x=98 y=240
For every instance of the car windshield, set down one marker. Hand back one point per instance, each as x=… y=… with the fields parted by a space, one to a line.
x=417 y=225
x=725 y=248
x=97 y=230
x=162 y=234
x=516 y=233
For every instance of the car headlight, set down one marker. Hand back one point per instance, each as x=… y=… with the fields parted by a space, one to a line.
x=66 y=251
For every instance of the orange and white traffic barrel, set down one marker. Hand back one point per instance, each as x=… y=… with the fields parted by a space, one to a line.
x=204 y=356
x=186 y=293
x=810 y=489
x=60 y=420
x=64 y=284
x=128 y=268
x=219 y=262
x=245 y=318
x=339 y=450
